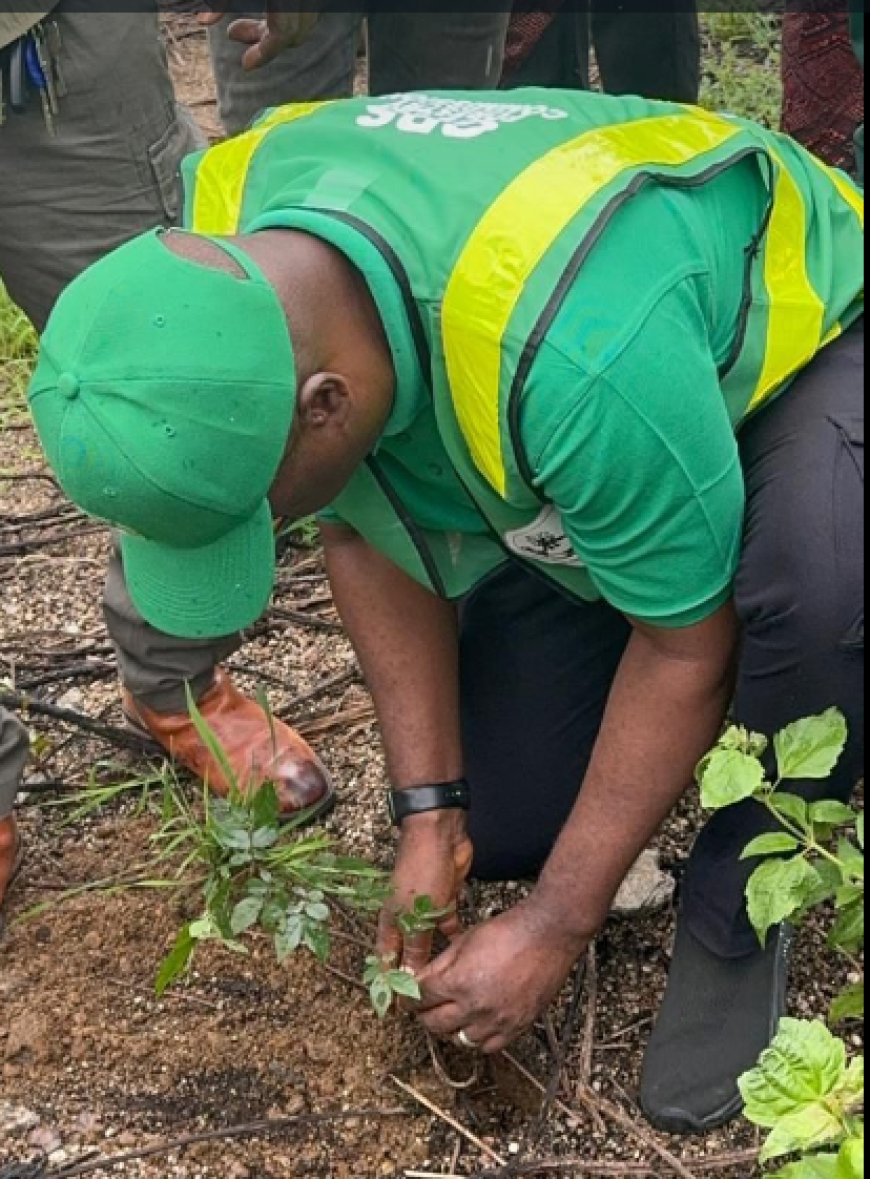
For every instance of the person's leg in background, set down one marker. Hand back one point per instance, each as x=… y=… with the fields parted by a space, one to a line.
x=407 y=52
x=800 y=596
x=823 y=80
x=112 y=172
x=653 y=54
x=541 y=49
x=14 y=748
x=857 y=19
x=435 y=50
x=323 y=68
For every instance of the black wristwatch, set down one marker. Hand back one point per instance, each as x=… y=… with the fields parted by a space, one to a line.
x=419 y=800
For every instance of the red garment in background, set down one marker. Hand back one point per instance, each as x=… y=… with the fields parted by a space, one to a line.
x=823 y=82
x=525 y=31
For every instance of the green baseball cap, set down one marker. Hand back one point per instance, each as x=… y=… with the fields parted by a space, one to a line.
x=164 y=397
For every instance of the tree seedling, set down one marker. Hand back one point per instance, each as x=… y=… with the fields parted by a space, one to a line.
x=387 y=982
x=805 y=1090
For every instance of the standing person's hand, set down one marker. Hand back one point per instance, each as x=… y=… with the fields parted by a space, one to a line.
x=434 y=860
x=269 y=37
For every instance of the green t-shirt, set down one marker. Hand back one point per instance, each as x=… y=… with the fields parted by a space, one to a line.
x=641 y=460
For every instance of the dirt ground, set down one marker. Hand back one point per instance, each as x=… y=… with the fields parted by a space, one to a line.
x=93 y=1065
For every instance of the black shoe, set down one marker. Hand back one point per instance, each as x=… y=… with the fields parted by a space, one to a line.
x=717 y=1018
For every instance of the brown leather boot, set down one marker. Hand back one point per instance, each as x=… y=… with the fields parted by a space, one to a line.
x=10 y=860
x=257 y=750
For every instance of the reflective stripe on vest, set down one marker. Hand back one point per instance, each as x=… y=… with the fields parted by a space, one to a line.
x=796 y=321
x=525 y=222
x=223 y=173
x=513 y=238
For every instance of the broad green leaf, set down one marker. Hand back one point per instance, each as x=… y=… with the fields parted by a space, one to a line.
x=819 y=1166
x=849 y=930
x=830 y=879
x=317 y=912
x=809 y=1130
x=289 y=939
x=776 y=844
x=792 y=807
x=801 y=1089
x=264 y=837
x=812 y=748
x=381 y=996
x=778 y=890
x=318 y=941
x=849 y=1005
x=204 y=930
x=246 y=915
x=176 y=963
x=730 y=777
x=856 y=865
x=403 y=983
x=850 y=1164
x=832 y=814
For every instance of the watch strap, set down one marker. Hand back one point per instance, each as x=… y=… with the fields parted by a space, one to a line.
x=420 y=800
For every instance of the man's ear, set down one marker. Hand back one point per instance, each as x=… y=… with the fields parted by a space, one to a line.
x=324 y=400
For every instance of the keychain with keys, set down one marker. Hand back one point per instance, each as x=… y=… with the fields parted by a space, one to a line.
x=29 y=65
x=39 y=80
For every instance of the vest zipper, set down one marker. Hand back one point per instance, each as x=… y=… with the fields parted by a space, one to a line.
x=554 y=304
x=410 y=526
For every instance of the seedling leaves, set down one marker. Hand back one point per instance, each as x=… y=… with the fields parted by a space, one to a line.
x=177 y=962
x=775 y=844
x=730 y=776
x=803 y=1089
x=849 y=1005
x=811 y=748
x=778 y=890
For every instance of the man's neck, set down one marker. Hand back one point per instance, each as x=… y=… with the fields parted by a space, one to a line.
x=333 y=318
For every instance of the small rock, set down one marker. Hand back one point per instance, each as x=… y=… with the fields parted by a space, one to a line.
x=27 y=1034
x=46 y=1140
x=15 y=1118
x=646 y=889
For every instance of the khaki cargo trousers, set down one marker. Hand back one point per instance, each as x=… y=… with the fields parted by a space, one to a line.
x=111 y=172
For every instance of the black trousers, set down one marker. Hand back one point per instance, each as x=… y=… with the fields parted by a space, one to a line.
x=653 y=54
x=537 y=668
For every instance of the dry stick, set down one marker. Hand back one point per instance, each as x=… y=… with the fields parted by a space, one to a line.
x=347 y=979
x=583 y=1166
x=251 y=1130
x=553 y=1088
x=592 y=1100
x=118 y=736
x=363 y=714
x=587 y=1059
x=81 y=671
x=281 y=619
x=22 y=550
x=350 y=675
x=449 y=1121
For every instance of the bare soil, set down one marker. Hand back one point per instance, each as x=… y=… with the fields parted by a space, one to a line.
x=92 y=1063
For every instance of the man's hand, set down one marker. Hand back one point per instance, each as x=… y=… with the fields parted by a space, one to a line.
x=269 y=37
x=434 y=860
x=494 y=982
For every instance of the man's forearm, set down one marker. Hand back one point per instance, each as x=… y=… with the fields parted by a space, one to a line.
x=407 y=642
x=664 y=714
